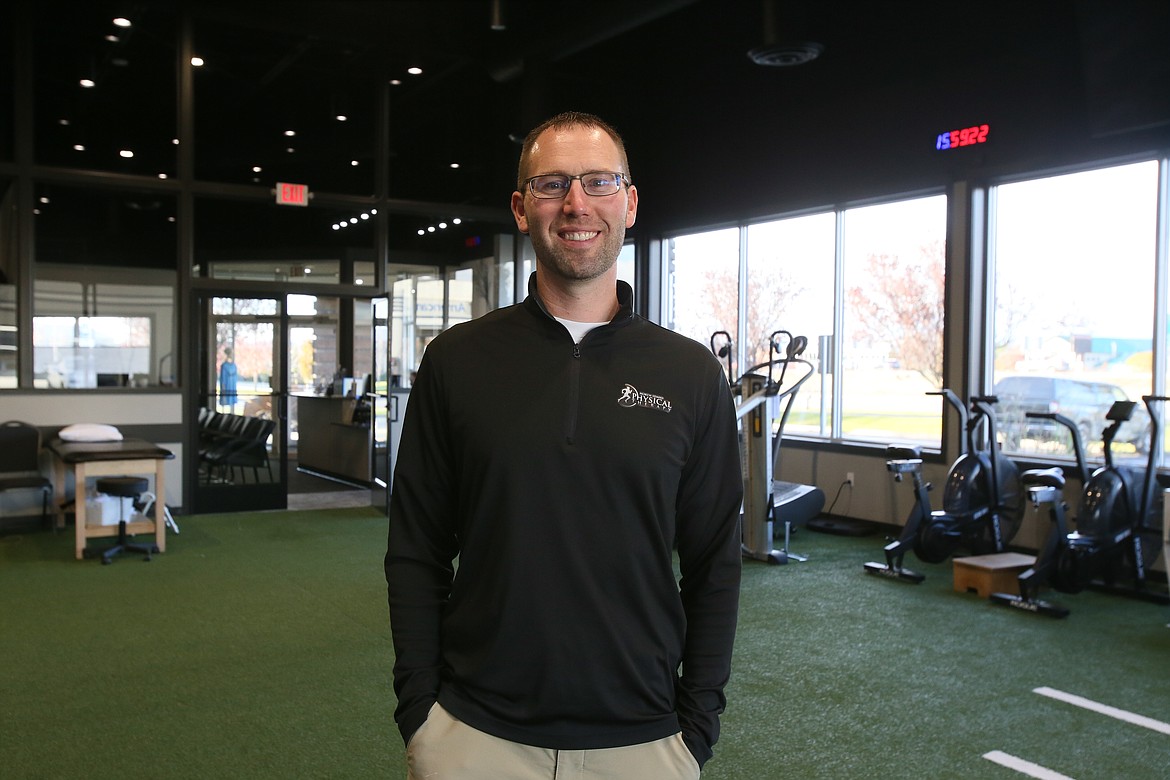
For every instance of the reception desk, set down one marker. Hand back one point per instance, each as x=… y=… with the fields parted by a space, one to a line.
x=330 y=443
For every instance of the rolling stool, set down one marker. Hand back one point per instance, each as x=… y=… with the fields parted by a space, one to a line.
x=124 y=487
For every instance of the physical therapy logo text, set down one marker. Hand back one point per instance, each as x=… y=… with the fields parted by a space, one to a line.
x=631 y=397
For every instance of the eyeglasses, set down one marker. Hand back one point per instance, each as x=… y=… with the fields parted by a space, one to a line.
x=556 y=185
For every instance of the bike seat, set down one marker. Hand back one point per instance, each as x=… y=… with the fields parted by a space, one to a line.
x=904 y=465
x=902 y=452
x=1053 y=477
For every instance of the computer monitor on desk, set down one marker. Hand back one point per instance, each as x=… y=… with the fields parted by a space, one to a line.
x=353 y=387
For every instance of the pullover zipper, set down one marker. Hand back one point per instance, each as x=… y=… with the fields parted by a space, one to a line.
x=574 y=392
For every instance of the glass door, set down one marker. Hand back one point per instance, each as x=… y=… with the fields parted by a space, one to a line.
x=243 y=406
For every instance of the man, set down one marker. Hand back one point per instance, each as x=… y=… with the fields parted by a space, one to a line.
x=560 y=449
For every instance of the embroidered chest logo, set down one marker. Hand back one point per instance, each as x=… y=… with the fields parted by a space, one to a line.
x=631 y=397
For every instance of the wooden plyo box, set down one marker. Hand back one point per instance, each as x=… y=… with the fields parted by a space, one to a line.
x=987 y=574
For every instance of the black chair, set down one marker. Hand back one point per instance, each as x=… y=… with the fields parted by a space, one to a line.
x=123 y=487
x=246 y=448
x=20 y=447
x=253 y=452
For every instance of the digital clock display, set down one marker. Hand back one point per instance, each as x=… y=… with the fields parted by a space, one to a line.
x=968 y=136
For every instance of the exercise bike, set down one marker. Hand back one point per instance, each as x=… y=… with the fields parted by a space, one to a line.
x=759 y=398
x=1116 y=525
x=982 y=505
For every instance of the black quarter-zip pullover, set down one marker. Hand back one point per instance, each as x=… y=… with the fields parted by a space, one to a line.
x=561 y=477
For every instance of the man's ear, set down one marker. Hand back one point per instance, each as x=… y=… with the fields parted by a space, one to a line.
x=631 y=206
x=518 y=212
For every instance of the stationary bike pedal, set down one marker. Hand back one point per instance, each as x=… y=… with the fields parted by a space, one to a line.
x=1035 y=606
x=889 y=572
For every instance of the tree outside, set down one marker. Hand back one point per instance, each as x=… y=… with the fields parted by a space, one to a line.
x=897 y=311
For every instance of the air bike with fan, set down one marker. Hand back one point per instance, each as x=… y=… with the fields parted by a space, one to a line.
x=763 y=402
x=1118 y=522
x=982 y=503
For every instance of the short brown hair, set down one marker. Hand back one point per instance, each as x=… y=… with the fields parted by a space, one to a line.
x=564 y=121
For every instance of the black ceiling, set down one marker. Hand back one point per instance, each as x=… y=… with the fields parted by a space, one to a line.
x=701 y=119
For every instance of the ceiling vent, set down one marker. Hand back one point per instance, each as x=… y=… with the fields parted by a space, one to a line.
x=785 y=55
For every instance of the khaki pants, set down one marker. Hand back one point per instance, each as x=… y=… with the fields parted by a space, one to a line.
x=447 y=749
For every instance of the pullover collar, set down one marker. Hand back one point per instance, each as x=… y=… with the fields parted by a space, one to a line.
x=625 y=294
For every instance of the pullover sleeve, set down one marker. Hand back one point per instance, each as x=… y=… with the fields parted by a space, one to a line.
x=421 y=549
x=709 y=500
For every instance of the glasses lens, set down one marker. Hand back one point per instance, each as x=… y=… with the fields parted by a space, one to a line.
x=601 y=183
x=551 y=186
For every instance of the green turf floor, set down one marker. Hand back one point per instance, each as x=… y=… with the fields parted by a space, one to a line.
x=257 y=647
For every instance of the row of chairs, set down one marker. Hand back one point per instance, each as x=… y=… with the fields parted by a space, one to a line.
x=231 y=444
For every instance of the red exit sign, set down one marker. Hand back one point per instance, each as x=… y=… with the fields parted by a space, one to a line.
x=292 y=194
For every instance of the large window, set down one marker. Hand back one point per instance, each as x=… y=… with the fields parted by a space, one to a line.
x=1074 y=304
x=892 y=340
x=790 y=273
x=104 y=310
x=9 y=327
x=105 y=92
x=702 y=290
x=882 y=280
x=91 y=351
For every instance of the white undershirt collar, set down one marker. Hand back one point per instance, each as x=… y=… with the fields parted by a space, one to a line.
x=578 y=329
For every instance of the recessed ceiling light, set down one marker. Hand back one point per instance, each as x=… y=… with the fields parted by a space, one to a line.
x=111 y=38
x=175 y=141
x=456 y=221
x=127 y=153
x=342 y=118
x=290 y=150
x=197 y=62
x=43 y=199
x=415 y=71
x=359 y=281
x=256 y=169
x=290 y=133
x=431 y=229
x=121 y=21
x=162 y=175
x=395 y=82
x=79 y=147
x=354 y=163
x=422 y=232
x=442 y=226
x=63 y=122
x=454 y=165
x=365 y=216
x=87 y=83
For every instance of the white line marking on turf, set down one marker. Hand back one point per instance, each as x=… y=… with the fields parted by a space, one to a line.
x=1105 y=709
x=1024 y=767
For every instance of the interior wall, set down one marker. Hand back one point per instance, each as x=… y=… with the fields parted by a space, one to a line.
x=152 y=416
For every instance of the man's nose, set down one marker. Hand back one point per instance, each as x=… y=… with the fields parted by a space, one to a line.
x=576 y=199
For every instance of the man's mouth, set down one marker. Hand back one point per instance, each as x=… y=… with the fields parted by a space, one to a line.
x=579 y=235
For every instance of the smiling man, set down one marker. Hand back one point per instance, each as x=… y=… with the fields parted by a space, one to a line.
x=561 y=450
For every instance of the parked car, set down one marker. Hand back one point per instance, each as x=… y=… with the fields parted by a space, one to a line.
x=1083 y=402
